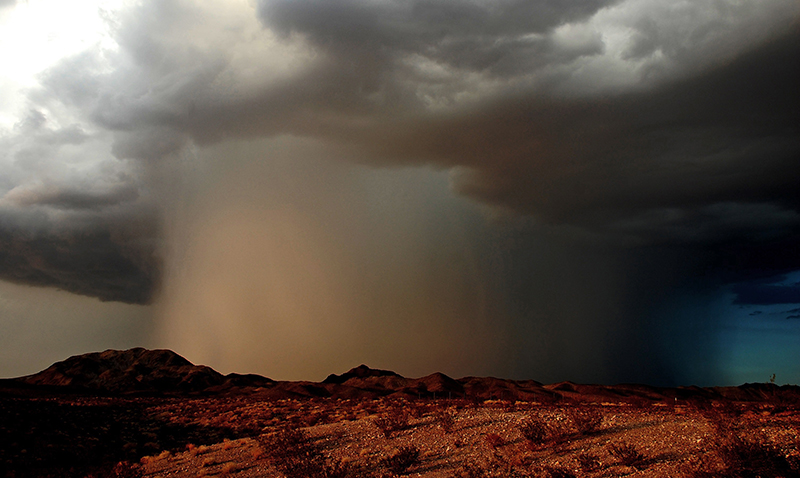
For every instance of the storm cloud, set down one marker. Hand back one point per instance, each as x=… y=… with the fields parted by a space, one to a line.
x=658 y=141
x=76 y=224
x=685 y=149
x=105 y=257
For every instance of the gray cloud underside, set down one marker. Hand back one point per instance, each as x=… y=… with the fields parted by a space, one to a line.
x=80 y=226
x=503 y=38
x=679 y=155
x=707 y=156
x=112 y=258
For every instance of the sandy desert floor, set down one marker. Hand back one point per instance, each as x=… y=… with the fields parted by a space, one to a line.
x=382 y=438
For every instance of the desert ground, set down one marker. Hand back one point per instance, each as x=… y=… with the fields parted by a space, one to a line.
x=251 y=437
x=352 y=426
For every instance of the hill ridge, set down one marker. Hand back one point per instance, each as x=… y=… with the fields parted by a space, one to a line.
x=161 y=371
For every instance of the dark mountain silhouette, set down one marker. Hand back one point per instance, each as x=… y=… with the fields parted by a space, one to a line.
x=137 y=370
x=360 y=372
x=142 y=371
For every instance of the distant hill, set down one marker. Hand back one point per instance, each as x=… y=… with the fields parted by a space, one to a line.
x=136 y=370
x=163 y=372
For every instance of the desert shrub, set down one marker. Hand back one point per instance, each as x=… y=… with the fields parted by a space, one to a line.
x=743 y=458
x=627 y=454
x=747 y=459
x=403 y=459
x=494 y=440
x=535 y=430
x=296 y=456
x=586 y=420
x=588 y=462
x=391 y=422
x=287 y=441
x=445 y=419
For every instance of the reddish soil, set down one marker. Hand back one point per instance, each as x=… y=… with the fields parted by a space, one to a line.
x=392 y=426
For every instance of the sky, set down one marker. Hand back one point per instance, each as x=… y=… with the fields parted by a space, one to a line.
x=597 y=191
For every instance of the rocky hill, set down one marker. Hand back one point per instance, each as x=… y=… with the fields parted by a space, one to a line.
x=136 y=370
x=142 y=371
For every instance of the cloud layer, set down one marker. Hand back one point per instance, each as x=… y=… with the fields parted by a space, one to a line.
x=636 y=122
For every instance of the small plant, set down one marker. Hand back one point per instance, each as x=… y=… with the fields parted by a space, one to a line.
x=494 y=440
x=403 y=459
x=285 y=442
x=296 y=456
x=588 y=462
x=744 y=458
x=586 y=420
x=627 y=454
x=392 y=422
x=445 y=419
x=535 y=430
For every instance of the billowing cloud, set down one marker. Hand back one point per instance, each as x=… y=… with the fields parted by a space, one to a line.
x=689 y=141
x=627 y=130
x=649 y=121
x=113 y=258
x=72 y=216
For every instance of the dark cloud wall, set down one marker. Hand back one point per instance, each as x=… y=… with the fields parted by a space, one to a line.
x=622 y=157
x=700 y=160
x=504 y=38
x=71 y=220
x=703 y=155
x=112 y=258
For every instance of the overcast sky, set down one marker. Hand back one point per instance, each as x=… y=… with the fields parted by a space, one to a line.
x=596 y=191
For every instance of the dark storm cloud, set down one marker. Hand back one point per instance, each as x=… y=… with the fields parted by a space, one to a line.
x=504 y=38
x=756 y=293
x=169 y=86
x=700 y=148
x=74 y=223
x=704 y=157
x=111 y=258
x=700 y=159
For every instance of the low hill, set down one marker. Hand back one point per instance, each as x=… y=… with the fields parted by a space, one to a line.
x=142 y=371
x=137 y=370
